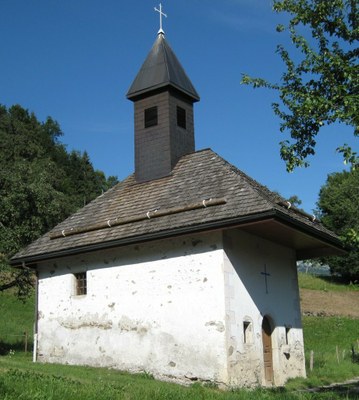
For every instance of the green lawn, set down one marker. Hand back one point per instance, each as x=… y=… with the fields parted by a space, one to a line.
x=23 y=380
x=331 y=340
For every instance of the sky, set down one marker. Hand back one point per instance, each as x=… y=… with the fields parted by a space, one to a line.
x=74 y=60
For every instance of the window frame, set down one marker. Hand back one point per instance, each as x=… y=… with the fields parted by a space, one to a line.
x=181 y=117
x=80 y=283
x=151 y=117
x=247 y=332
x=288 y=329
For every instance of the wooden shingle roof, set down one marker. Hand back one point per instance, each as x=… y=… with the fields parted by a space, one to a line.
x=132 y=212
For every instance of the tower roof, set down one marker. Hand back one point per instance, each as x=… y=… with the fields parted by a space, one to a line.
x=161 y=69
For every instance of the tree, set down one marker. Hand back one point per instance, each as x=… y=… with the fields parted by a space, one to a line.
x=295 y=200
x=338 y=208
x=40 y=185
x=322 y=86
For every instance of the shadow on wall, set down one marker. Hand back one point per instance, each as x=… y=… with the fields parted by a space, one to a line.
x=137 y=254
x=268 y=272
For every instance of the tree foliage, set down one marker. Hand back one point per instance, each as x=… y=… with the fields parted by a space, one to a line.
x=321 y=82
x=295 y=200
x=339 y=210
x=40 y=185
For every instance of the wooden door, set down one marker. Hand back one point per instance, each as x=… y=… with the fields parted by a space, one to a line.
x=267 y=350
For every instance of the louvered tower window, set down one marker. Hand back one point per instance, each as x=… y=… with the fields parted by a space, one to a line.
x=151 y=118
x=181 y=117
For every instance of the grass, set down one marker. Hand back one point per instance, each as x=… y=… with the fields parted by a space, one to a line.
x=326 y=283
x=331 y=339
x=16 y=318
x=20 y=379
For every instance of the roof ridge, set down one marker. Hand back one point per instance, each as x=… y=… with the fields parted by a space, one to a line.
x=277 y=201
x=165 y=56
x=262 y=190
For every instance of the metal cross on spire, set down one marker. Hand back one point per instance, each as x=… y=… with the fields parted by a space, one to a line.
x=161 y=14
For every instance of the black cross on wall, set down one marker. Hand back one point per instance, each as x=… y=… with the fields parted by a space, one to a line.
x=265 y=274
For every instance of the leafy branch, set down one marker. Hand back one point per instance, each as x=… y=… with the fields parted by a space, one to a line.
x=323 y=86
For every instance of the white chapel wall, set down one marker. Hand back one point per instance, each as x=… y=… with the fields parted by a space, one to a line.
x=249 y=299
x=155 y=307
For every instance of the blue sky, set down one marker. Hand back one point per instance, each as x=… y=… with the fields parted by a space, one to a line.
x=74 y=60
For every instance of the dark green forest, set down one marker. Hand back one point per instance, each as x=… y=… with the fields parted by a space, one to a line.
x=41 y=183
x=338 y=209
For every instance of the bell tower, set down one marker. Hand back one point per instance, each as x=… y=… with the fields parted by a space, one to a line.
x=163 y=99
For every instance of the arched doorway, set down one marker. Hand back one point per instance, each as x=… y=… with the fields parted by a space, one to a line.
x=267 y=350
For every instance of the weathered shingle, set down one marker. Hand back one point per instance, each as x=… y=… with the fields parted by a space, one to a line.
x=196 y=177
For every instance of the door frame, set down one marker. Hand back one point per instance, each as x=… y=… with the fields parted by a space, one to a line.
x=267 y=342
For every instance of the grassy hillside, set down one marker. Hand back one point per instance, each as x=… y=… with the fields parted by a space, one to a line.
x=68 y=383
x=16 y=318
x=330 y=338
x=326 y=283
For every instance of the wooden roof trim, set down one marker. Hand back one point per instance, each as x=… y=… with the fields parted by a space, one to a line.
x=136 y=218
x=289 y=206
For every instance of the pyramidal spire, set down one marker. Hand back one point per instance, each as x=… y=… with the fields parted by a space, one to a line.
x=161 y=69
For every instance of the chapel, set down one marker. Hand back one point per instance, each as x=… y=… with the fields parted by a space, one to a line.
x=186 y=269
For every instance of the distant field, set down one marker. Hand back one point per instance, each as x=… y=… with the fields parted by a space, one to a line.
x=326 y=283
x=323 y=296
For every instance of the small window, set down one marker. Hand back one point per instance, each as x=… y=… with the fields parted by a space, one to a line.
x=81 y=283
x=181 y=117
x=287 y=334
x=151 y=117
x=247 y=332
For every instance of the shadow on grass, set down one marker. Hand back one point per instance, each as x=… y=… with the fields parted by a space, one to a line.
x=346 y=390
x=18 y=346
x=339 y=280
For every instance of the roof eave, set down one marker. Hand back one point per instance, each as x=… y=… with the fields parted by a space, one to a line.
x=334 y=240
x=135 y=95
x=240 y=221
x=332 y=245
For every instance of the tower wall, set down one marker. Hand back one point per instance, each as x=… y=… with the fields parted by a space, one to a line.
x=159 y=147
x=182 y=140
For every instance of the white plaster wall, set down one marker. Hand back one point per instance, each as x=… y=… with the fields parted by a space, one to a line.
x=247 y=300
x=157 y=307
